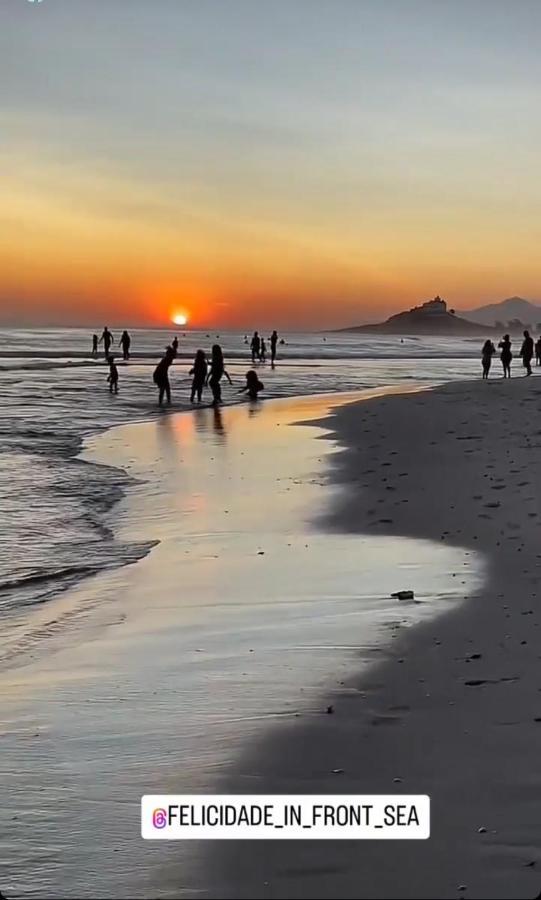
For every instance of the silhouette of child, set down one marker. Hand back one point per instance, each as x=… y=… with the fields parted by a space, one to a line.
x=112 y=378
x=199 y=372
x=253 y=385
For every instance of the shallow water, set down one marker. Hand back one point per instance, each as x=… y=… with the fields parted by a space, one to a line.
x=55 y=509
x=241 y=617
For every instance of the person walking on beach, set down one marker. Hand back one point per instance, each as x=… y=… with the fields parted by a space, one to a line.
x=113 y=375
x=253 y=385
x=161 y=376
x=263 y=351
x=526 y=351
x=216 y=373
x=199 y=372
x=506 y=356
x=107 y=339
x=94 y=345
x=487 y=353
x=125 y=342
x=273 y=342
x=538 y=351
x=174 y=345
x=255 y=347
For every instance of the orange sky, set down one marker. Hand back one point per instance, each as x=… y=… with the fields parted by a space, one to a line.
x=264 y=169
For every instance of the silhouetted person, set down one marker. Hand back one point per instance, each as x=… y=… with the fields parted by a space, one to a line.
x=113 y=375
x=526 y=351
x=263 y=351
x=538 y=351
x=273 y=342
x=94 y=345
x=253 y=385
x=199 y=372
x=487 y=353
x=255 y=347
x=174 y=345
x=216 y=373
x=125 y=343
x=506 y=356
x=161 y=376
x=107 y=339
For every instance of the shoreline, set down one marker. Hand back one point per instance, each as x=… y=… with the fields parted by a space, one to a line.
x=234 y=625
x=75 y=453
x=454 y=706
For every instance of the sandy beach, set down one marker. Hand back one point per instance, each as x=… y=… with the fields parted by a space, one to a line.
x=454 y=710
x=162 y=675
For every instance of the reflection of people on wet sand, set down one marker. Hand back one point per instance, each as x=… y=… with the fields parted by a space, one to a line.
x=216 y=373
x=255 y=347
x=253 y=385
x=487 y=353
x=273 y=342
x=94 y=345
x=506 y=356
x=112 y=378
x=107 y=339
x=161 y=376
x=199 y=372
x=125 y=342
x=526 y=351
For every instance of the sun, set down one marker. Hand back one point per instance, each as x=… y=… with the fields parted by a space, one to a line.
x=180 y=319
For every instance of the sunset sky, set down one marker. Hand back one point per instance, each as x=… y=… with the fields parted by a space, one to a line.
x=294 y=164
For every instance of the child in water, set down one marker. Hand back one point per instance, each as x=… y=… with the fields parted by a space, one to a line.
x=253 y=385
x=112 y=378
x=199 y=372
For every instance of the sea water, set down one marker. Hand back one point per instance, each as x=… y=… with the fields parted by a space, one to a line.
x=55 y=507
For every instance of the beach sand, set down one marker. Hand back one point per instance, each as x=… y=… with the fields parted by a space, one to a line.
x=160 y=676
x=454 y=709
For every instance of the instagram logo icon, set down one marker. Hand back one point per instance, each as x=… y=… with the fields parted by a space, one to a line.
x=159 y=818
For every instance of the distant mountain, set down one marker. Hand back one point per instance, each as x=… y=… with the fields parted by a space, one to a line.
x=431 y=317
x=513 y=310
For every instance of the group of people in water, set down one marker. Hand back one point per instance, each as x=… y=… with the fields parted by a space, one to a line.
x=258 y=347
x=205 y=372
x=527 y=352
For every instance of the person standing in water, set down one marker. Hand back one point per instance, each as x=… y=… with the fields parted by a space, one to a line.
x=538 y=351
x=216 y=373
x=506 y=356
x=263 y=351
x=125 y=342
x=199 y=372
x=255 y=347
x=487 y=353
x=526 y=351
x=273 y=342
x=174 y=345
x=107 y=339
x=161 y=376
x=94 y=345
x=113 y=375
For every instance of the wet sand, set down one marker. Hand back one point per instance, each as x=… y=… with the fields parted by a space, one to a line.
x=160 y=676
x=454 y=710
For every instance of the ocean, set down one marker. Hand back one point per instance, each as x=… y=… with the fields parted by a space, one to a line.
x=57 y=508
